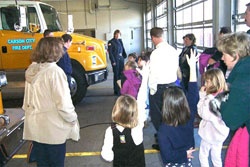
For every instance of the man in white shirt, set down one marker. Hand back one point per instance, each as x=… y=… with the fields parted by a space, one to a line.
x=163 y=73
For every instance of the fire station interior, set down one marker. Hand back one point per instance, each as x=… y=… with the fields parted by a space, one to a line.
x=134 y=19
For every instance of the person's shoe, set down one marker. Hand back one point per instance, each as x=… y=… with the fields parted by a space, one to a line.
x=156 y=147
x=156 y=137
x=116 y=93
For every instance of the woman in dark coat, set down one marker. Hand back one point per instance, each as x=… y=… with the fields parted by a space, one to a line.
x=117 y=54
x=189 y=44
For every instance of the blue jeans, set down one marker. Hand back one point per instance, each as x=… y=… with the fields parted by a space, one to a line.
x=49 y=155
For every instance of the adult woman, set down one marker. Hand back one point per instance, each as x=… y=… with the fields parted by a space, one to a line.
x=236 y=110
x=117 y=54
x=189 y=44
x=50 y=117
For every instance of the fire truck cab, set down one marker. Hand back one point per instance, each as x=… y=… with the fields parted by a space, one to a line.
x=22 y=24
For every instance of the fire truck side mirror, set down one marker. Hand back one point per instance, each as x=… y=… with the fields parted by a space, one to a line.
x=70 y=24
x=3 y=79
x=23 y=20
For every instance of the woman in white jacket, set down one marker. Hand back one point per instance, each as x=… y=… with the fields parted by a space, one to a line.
x=50 y=117
x=212 y=129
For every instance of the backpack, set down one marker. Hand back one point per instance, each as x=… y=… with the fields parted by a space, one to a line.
x=203 y=60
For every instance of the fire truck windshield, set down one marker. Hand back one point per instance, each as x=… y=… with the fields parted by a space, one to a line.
x=51 y=18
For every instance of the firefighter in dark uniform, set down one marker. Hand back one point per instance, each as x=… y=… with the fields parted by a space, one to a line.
x=117 y=54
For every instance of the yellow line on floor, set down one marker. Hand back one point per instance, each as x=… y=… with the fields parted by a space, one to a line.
x=82 y=154
x=85 y=154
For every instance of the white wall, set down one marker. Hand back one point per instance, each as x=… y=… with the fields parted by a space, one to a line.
x=120 y=14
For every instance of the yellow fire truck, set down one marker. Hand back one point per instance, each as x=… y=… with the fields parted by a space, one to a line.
x=22 y=24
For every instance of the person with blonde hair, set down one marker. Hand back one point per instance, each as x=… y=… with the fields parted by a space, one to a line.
x=212 y=129
x=235 y=111
x=123 y=142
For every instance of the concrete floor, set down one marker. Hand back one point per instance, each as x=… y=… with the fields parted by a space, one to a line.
x=94 y=114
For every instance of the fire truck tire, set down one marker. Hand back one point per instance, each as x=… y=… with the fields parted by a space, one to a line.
x=78 y=87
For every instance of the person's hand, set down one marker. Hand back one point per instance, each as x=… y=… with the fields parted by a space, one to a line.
x=203 y=89
x=192 y=60
x=194 y=57
x=114 y=64
x=189 y=152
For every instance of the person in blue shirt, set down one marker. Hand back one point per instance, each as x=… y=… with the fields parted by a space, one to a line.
x=65 y=62
x=175 y=134
x=117 y=54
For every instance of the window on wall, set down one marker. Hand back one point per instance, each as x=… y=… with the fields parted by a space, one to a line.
x=239 y=16
x=161 y=16
x=148 y=26
x=194 y=17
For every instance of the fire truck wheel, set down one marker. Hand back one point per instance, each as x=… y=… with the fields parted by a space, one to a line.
x=78 y=86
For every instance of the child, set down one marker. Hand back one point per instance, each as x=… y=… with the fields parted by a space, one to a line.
x=132 y=57
x=143 y=59
x=143 y=94
x=132 y=82
x=123 y=142
x=175 y=134
x=212 y=129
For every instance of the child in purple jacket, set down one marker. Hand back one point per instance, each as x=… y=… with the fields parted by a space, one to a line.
x=132 y=82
